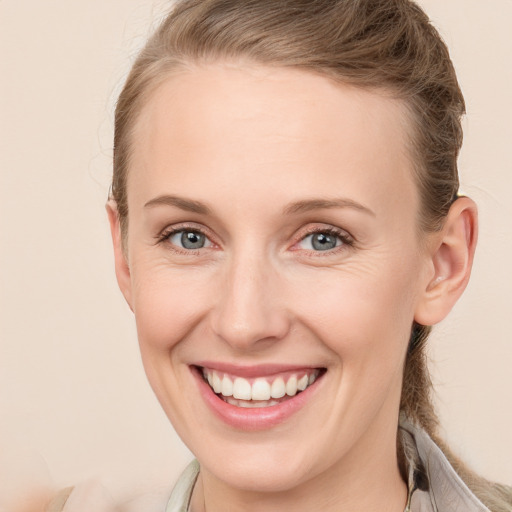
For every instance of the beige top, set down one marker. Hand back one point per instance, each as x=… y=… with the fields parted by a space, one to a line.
x=434 y=486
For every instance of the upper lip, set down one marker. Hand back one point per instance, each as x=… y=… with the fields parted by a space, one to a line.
x=259 y=370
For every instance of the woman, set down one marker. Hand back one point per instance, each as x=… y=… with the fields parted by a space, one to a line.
x=287 y=226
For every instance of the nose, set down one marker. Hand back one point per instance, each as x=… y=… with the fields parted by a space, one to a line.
x=249 y=313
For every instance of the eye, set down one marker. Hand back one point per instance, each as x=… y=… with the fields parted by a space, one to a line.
x=189 y=239
x=324 y=240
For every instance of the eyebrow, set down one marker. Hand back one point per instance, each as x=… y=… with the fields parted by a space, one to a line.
x=179 y=202
x=303 y=206
x=308 y=205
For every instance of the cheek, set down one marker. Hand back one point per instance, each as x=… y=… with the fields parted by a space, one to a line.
x=365 y=324
x=167 y=305
x=362 y=315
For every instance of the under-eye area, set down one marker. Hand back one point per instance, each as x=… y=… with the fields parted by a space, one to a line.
x=259 y=392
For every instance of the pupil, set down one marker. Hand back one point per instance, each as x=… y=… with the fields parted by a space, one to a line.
x=323 y=242
x=192 y=240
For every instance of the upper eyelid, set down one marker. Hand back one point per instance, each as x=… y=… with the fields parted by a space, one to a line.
x=334 y=230
x=186 y=226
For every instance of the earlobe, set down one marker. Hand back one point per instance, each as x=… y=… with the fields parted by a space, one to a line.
x=122 y=267
x=451 y=260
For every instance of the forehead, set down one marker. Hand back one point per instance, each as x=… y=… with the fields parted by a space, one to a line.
x=281 y=132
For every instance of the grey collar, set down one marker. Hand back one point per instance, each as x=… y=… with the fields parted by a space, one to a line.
x=436 y=487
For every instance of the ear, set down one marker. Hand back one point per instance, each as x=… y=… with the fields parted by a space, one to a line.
x=451 y=259
x=120 y=259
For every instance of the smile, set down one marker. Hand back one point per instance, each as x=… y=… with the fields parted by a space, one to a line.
x=261 y=391
x=256 y=398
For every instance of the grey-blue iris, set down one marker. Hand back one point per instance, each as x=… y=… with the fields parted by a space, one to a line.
x=323 y=241
x=192 y=240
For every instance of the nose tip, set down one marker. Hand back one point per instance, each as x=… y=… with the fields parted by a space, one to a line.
x=251 y=333
x=249 y=314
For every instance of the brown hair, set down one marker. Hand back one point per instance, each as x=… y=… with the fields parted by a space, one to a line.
x=379 y=44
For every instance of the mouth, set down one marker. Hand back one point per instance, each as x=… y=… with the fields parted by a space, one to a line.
x=256 y=398
x=267 y=391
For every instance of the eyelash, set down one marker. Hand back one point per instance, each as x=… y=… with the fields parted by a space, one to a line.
x=167 y=234
x=346 y=240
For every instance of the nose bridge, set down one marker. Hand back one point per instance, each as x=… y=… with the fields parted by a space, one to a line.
x=249 y=311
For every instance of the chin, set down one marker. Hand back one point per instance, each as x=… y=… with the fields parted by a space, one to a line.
x=262 y=474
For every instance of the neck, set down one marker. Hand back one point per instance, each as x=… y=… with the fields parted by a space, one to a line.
x=364 y=480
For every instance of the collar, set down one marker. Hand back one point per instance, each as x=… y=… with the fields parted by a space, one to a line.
x=434 y=486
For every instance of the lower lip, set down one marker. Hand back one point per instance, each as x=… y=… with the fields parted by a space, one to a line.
x=258 y=418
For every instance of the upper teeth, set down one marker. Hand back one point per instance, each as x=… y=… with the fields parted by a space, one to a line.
x=260 y=388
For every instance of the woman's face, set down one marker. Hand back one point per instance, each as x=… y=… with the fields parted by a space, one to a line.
x=273 y=240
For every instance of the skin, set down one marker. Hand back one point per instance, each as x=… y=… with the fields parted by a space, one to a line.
x=247 y=143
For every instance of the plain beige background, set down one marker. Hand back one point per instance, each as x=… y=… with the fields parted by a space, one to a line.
x=74 y=403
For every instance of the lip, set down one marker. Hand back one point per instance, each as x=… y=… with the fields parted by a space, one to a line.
x=252 y=371
x=252 y=419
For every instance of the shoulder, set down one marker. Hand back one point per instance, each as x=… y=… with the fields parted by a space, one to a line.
x=59 y=500
x=85 y=496
x=92 y=496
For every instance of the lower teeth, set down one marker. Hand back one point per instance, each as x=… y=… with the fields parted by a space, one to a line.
x=252 y=404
